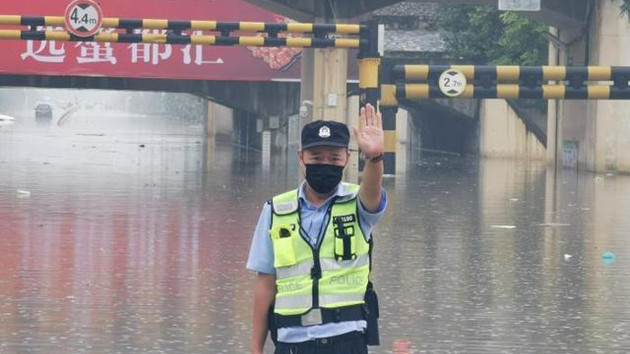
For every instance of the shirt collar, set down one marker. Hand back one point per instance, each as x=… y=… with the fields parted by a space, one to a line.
x=340 y=191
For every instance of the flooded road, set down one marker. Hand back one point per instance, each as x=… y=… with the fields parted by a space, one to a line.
x=136 y=243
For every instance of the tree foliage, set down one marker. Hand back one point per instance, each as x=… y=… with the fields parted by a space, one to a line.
x=625 y=8
x=484 y=35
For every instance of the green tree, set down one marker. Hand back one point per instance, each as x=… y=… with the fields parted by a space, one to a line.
x=625 y=8
x=480 y=34
x=483 y=35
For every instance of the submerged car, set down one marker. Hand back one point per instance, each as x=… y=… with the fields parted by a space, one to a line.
x=43 y=113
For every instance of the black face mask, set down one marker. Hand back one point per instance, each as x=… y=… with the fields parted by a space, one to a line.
x=323 y=178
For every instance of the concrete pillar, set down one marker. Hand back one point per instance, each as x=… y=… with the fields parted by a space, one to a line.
x=209 y=122
x=219 y=122
x=293 y=145
x=503 y=133
x=608 y=138
x=323 y=93
x=597 y=131
x=403 y=140
x=218 y=125
x=266 y=150
x=323 y=88
x=210 y=141
x=553 y=112
x=572 y=124
x=352 y=118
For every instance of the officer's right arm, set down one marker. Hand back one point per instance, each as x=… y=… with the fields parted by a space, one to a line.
x=261 y=261
x=264 y=295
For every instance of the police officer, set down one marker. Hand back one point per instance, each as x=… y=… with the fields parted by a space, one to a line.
x=311 y=245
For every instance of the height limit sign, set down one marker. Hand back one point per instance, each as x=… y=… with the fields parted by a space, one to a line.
x=83 y=18
x=452 y=83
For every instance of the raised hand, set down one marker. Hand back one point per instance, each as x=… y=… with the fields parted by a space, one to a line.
x=369 y=134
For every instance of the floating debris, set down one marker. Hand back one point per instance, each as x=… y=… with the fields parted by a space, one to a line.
x=503 y=227
x=6 y=120
x=608 y=258
x=554 y=224
x=23 y=194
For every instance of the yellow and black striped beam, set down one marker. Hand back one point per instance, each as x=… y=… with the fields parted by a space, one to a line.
x=172 y=38
x=390 y=94
x=368 y=80
x=391 y=139
x=180 y=25
x=420 y=73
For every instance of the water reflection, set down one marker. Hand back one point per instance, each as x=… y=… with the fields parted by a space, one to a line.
x=452 y=282
x=137 y=240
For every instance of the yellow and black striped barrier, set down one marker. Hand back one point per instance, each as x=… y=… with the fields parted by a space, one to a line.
x=174 y=38
x=313 y=35
x=418 y=73
x=408 y=82
x=369 y=63
x=391 y=94
x=180 y=25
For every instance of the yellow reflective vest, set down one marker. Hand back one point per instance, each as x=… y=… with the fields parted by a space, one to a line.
x=334 y=273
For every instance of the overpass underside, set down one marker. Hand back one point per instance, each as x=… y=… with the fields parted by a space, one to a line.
x=265 y=98
x=438 y=126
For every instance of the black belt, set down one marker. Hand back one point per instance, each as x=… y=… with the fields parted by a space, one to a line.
x=342 y=314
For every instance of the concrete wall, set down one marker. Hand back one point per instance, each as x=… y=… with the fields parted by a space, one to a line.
x=609 y=121
x=503 y=134
x=598 y=132
x=222 y=118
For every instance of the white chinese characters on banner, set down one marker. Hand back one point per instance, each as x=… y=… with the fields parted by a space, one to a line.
x=47 y=51
x=198 y=54
x=96 y=53
x=150 y=52
x=93 y=52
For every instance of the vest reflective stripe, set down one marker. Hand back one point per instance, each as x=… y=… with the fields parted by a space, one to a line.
x=327 y=264
x=333 y=264
x=294 y=302
x=325 y=300
x=328 y=300
x=294 y=270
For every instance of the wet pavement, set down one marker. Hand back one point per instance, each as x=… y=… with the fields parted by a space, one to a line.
x=114 y=242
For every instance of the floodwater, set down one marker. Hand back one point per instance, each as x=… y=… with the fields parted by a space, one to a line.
x=135 y=241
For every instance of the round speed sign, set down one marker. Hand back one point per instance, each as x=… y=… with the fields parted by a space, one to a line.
x=452 y=83
x=84 y=18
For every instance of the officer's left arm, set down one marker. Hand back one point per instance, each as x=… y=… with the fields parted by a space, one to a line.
x=371 y=142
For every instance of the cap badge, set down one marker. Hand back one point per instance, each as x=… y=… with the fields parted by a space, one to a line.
x=324 y=132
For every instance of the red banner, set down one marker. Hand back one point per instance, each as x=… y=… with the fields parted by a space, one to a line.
x=140 y=60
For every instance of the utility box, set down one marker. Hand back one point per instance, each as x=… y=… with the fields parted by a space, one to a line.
x=519 y=5
x=570 y=154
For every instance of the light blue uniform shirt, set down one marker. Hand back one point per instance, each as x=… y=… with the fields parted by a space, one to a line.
x=312 y=219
